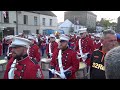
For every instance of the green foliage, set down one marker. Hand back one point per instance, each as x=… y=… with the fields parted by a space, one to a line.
x=105 y=23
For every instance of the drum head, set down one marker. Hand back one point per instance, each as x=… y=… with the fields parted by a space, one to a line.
x=3 y=61
x=82 y=65
x=55 y=78
x=46 y=60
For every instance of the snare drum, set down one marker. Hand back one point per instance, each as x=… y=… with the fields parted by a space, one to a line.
x=3 y=63
x=55 y=78
x=82 y=72
x=45 y=63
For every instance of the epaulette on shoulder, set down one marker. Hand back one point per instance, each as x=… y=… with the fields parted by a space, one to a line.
x=33 y=60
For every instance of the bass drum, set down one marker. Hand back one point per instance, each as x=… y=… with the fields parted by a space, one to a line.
x=45 y=63
x=3 y=64
x=55 y=78
x=82 y=72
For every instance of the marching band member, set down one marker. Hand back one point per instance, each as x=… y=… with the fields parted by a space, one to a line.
x=97 y=41
x=34 y=50
x=1 y=48
x=21 y=66
x=52 y=46
x=9 y=41
x=72 y=42
x=84 y=47
x=64 y=62
x=22 y=35
x=43 y=46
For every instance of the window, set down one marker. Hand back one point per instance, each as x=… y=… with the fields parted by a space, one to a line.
x=25 y=19
x=6 y=16
x=43 y=21
x=35 y=21
x=26 y=32
x=37 y=31
x=50 y=22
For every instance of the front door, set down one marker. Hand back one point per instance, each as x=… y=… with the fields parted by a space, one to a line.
x=8 y=31
x=37 y=31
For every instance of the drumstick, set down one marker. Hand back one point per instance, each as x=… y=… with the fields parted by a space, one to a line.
x=55 y=71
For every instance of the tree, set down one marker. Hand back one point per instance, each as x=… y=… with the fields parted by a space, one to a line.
x=105 y=23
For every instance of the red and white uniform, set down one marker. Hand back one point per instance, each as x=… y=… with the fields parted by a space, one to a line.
x=34 y=52
x=73 y=42
x=97 y=44
x=87 y=46
x=1 y=49
x=69 y=59
x=23 y=69
x=54 y=47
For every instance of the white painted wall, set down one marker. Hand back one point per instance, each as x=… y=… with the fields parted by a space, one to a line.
x=66 y=26
x=91 y=20
x=47 y=23
x=30 y=26
x=12 y=17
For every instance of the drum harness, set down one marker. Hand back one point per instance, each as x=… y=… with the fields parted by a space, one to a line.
x=61 y=74
x=8 y=53
x=83 y=56
x=11 y=72
x=50 y=50
x=97 y=42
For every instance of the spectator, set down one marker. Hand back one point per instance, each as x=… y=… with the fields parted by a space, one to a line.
x=112 y=64
x=109 y=41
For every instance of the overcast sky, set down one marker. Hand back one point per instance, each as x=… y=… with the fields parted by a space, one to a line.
x=100 y=14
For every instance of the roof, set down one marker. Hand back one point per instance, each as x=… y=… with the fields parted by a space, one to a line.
x=78 y=14
x=66 y=23
x=92 y=13
x=49 y=13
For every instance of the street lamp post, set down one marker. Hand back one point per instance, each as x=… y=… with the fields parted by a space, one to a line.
x=2 y=31
x=16 y=22
x=2 y=28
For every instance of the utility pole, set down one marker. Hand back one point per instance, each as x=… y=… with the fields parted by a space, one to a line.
x=1 y=17
x=16 y=22
x=74 y=24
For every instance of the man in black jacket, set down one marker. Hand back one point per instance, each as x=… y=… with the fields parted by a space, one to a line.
x=97 y=69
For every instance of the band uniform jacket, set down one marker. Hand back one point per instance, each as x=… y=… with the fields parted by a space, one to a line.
x=26 y=68
x=1 y=49
x=97 y=69
x=87 y=46
x=68 y=59
x=72 y=43
x=34 y=52
x=54 y=46
x=97 y=45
